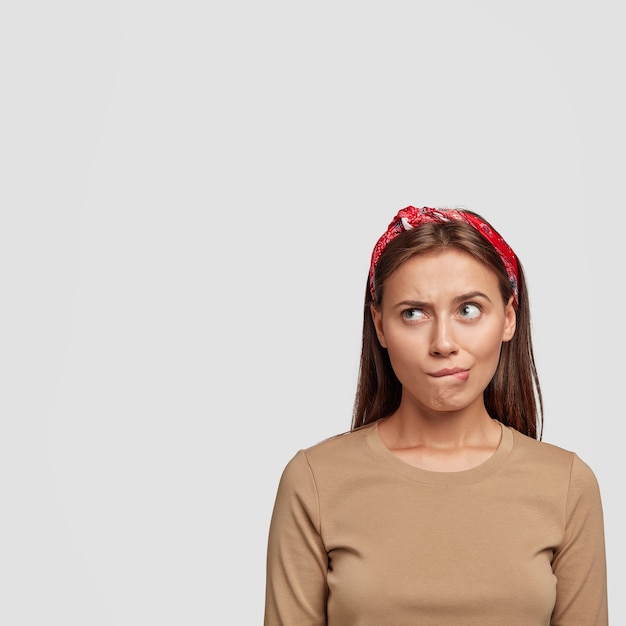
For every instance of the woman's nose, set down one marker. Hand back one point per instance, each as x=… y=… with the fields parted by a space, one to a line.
x=443 y=342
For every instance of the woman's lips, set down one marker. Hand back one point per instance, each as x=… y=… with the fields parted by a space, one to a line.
x=456 y=372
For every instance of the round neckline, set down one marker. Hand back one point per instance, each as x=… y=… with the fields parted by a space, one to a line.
x=464 y=477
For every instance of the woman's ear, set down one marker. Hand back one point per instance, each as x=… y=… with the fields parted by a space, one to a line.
x=377 y=318
x=510 y=321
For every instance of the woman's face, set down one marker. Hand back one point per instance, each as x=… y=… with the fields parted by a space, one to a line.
x=443 y=321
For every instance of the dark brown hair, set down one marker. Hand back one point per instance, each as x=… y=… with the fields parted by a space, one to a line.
x=513 y=396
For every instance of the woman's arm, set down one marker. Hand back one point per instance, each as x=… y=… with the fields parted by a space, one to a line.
x=580 y=562
x=297 y=561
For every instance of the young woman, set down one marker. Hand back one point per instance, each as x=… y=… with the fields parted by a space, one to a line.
x=441 y=506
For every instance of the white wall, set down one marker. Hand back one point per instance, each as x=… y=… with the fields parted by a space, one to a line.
x=189 y=196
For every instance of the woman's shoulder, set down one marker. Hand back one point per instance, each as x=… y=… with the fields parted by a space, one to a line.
x=546 y=456
x=541 y=450
x=339 y=445
x=336 y=453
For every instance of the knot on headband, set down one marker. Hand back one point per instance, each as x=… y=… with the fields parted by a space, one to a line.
x=410 y=218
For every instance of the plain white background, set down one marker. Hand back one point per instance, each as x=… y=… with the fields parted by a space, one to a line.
x=190 y=192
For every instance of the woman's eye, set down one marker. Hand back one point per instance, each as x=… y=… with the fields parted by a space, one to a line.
x=470 y=311
x=413 y=314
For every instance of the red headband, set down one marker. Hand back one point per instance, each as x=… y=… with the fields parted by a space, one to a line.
x=409 y=218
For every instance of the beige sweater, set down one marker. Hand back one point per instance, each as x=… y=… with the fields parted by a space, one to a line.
x=360 y=538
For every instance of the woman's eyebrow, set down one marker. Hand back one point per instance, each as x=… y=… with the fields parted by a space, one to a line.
x=471 y=295
x=418 y=304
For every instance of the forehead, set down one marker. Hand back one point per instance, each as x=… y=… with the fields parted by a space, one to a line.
x=443 y=273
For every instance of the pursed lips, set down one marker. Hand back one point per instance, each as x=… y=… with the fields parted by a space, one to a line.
x=457 y=372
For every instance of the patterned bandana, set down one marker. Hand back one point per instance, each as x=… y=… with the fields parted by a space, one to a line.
x=410 y=217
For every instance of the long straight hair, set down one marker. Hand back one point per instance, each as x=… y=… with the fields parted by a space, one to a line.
x=513 y=395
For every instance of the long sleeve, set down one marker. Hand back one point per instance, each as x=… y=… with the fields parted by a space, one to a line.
x=580 y=562
x=297 y=562
x=358 y=537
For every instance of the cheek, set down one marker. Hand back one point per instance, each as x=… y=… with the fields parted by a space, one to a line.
x=489 y=348
x=403 y=347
